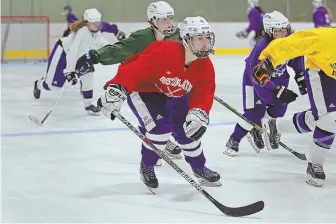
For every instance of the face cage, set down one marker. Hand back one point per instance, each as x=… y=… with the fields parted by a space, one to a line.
x=164 y=32
x=271 y=32
x=188 y=42
x=99 y=26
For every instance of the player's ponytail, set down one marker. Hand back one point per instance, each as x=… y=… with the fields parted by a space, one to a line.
x=329 y=13
x=74 y=27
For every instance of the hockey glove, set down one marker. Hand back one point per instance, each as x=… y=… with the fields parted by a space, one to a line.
x=71 y=78
x=196 y=123
x=242 y=34
x=285 y=95
x=112 y=100
x=262 y=72
x=120 y=35
x=85 y=63
x=299 y=79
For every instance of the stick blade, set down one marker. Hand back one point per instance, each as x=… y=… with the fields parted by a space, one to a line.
x=35 y=120
x=297 y=154
x=242 y=211
x=300 y=155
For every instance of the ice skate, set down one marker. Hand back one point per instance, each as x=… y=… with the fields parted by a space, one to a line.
x=232 y=147
x=37 y=91
x=255 y=139
x=92 y=110
x=207 y=177
x=148 y=177
x=173 y=151
x=270 y=133
x=315 y=174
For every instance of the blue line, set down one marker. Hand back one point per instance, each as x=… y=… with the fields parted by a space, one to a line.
x=80 y=131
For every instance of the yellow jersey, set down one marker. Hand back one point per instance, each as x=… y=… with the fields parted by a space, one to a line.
x=318 y=45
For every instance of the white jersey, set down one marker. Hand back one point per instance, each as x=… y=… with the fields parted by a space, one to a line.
x=79 y=43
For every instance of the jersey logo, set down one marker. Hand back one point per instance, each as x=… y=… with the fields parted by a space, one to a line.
x=280 y=70
x=174 y=85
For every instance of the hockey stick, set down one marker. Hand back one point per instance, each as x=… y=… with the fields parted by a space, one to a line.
x=229 y=211
x=219 y=100
x=40 y=122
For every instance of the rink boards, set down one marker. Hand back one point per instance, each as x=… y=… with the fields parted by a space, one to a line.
x=31 y=40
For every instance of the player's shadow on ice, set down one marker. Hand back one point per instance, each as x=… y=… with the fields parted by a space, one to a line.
x=180 y=192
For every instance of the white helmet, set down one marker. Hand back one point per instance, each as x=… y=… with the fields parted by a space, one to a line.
x=197 y=26
x=160 y=10
x=275 y=21
x=253 y=3
x=317 y=3
x=92 y=15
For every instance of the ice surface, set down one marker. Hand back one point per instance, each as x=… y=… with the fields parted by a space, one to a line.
x=79 y=168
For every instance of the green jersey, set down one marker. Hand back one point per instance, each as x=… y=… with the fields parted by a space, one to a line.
x=135 y=43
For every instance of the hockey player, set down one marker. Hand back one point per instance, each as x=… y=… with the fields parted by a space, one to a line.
x=255 y=29
x=105 y=26
x=319 y=48
x=70 y=18
x=84 y=35
x=321 y=15
x=162 y=27
x=153 y=80
x=266 y=101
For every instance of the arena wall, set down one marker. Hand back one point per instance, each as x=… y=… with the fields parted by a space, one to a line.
x=30 y=39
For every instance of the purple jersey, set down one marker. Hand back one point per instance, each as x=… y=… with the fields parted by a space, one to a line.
x=255 y=17
x=321 y=17
x=109 y=27
x=280 y=71
x=71 y=18
x=105 y=26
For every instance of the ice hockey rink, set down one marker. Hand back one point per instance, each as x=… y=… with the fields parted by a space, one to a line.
x=80 y=168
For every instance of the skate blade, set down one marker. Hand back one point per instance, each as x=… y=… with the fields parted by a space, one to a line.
x=206 y=183
x=90 y=113
x=251 y=141
x=152 y=190
x=230 y=152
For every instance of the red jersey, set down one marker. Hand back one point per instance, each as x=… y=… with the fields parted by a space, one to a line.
x=160 y=68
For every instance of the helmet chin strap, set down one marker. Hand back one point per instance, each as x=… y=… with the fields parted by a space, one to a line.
x=157 y=29
x=200 y=53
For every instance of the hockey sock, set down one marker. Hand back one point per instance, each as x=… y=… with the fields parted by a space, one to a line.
x=319 y=148
x=239 y=133
x=88 y=95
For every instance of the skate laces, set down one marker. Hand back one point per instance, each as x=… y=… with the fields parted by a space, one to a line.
x=205 y=172
x=258 y=134
x=149 y=172
x=234 y=142
x=317 y=168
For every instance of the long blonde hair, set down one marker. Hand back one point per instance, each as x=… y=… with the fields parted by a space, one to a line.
x=74 y=27
x=329 y=13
